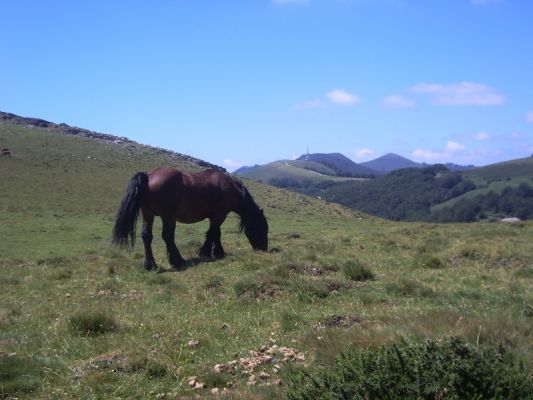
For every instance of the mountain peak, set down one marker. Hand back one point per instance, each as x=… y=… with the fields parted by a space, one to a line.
x=389 y=162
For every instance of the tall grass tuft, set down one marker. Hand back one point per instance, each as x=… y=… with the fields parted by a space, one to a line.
x=356 y=271
x=92 y=323
x=19 y=375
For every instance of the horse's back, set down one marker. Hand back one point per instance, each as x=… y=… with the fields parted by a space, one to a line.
x=191 y=197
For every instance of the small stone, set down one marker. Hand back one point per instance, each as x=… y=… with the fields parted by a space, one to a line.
x=199 y=385
x=264 y=375
x=215 y=391
x=193 y=343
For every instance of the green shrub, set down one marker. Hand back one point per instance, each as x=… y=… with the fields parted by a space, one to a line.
x=355 y=271
x=309 y=291
x=447 y=369
x=214 y=282
x=431 y=262
x=93 y=323
x=247 y=286
x=155 y=369
x=19 y=374
x=259 y=286
x=290 y=320
x=213 y=379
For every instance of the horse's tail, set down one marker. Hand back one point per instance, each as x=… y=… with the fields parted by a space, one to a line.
x=126 y=221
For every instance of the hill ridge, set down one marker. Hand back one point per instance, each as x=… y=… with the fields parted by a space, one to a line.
x=64 y=129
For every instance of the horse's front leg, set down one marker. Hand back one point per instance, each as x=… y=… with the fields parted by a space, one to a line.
x=148 y=222
x=207 y=247
x=218 y=250
x=174 y=257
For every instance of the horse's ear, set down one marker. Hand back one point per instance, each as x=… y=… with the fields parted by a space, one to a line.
x=262 y=213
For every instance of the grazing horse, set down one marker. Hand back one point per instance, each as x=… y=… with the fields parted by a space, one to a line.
x=188 y=198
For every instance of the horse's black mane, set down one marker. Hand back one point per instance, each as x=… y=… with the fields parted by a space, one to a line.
x=250 y=211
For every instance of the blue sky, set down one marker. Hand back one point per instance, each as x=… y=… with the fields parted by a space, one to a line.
x=245 y=82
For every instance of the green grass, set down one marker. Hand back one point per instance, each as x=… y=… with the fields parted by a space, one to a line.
x=356 y=271
x=56 y=263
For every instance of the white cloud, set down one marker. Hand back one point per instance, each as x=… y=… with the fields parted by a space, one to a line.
x=337 y=96
x=529 y=117
x=342 y=97
x=363 y=154
x=309 y=104
x=481 y=136
x=396 y=101
x=463 y=93
x=436 y=156
x=231 y=164
x=427 y=155
x=453 y=147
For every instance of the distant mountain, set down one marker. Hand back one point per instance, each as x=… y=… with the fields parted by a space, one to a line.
x=390 y=162
x=339 y=163
x=457 y=167
x=243 y=170
x=292 y=173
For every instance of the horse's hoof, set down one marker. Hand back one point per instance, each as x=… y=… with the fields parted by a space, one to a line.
x=179 y=265
x=150 y=266
x=219 y=254
x=204 y=254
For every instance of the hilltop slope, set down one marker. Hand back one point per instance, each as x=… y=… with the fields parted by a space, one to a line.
x=286 y=173
x=54 y=171
x=340 y=164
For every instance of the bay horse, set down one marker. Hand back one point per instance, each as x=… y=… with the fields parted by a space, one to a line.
x=188 y=198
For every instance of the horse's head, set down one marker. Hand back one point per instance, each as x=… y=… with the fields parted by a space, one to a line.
x=257 y=232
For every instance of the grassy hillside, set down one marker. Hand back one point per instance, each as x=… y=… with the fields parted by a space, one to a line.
x=296 y=171
x=495 y=177
x=340 y=164
x=79 y=319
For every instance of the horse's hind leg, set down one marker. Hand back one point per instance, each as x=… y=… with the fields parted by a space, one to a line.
x=147 y=236
x=174 y=257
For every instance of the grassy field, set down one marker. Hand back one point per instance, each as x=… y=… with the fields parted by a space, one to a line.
x=79 y=319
